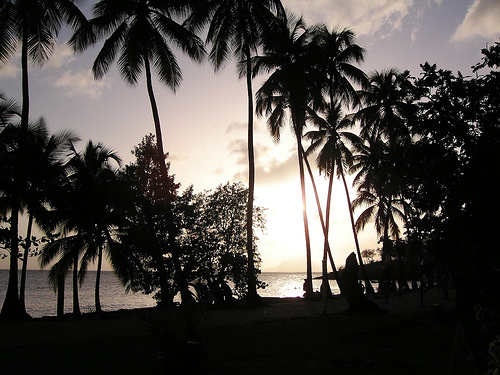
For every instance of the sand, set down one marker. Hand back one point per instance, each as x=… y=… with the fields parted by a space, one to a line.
x=287 y=336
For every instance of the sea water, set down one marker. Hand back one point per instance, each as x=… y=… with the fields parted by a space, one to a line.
x=41 y=300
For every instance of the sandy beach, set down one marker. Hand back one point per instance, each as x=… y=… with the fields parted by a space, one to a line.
x=287 y=336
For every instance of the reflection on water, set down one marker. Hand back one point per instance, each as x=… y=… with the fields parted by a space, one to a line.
x=290 y=284
x=41 y=299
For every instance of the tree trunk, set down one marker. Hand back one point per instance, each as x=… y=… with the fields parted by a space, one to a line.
x=12 y=308
x=24 y=270
x=181 y=280
x=98 y=281
x=324 y=227
x=368 y=285
x=25 y=83
x=76 y=303
x=308 y=286
x=252 y=296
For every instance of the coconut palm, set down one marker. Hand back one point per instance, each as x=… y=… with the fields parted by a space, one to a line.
x=86 y=215
x=9 y=109
x=339 y=56
x=334 y=158
x=377 y=187
x=237 y=28
x=386 y=108
x=35 y=25
x=288 y=91
x=44 y=165
x=139 y=31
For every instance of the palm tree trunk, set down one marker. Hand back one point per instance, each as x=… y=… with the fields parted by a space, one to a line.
x=181 y=280
x=324 y=227
x=368 y=285
x=98 y=281
x=385 y=244
x=156 y=118
x=12 y=308
x=308 y=286
x=76 y=303
x=252 y=295
x=25 y=84
x=24 y=270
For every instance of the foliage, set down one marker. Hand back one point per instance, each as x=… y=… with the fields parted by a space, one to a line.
x=216 y=238
x=207 y=230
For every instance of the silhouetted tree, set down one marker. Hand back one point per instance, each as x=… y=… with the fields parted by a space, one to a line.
x=238 y=27
x=151 y=231
x=94 y=205
x=33 y=24
x=293 y=83
x=140 y=32
x=334 y=158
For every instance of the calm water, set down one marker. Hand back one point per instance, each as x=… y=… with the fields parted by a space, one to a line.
x=42 y=301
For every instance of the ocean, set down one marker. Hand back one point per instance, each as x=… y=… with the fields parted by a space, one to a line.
x=41 y=299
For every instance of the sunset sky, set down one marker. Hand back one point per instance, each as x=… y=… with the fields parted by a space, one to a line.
x=204 y=122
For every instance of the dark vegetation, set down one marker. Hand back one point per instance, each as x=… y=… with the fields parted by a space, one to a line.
x=423 y=150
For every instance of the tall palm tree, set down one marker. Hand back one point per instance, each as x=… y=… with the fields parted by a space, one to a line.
x=237 y=28
x=34 y=24
x=384 y=120
x=334 y=158
x=291 y=86
x=377 y=188
x=139 y=31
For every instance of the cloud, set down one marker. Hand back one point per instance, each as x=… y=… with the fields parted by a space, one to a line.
x=363 y=16
x=80 y=84
x=9 y=70
x=481 y=20
x=61 y=56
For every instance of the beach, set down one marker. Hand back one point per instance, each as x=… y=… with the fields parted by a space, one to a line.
x=286 y=336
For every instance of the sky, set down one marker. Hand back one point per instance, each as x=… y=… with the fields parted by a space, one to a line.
x=204 y=122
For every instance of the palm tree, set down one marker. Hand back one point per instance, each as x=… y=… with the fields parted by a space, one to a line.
x=44 y=159
x=377 y=188
x=9 y=109
x=334 y=158
x=290 y=88
x=237 y=28
x=338 y=53
x=34 y=24
x=86 y=215
x=139 y=31
x=386 y=107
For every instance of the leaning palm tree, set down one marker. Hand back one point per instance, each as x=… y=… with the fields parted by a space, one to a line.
x=237 y=28
x=334 y=158
x=139 y=31
x=291 y=86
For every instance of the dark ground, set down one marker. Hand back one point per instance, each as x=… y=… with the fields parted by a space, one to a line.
x=288 y=336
